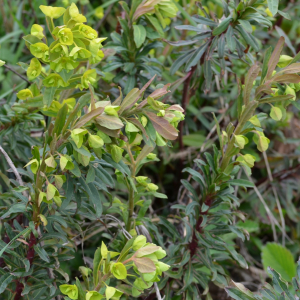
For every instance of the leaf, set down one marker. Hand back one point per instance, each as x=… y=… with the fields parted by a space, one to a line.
x=286 y=78
x=131 y=98
x=162 y=126
x=276 y=99
x=194 y=59
x=16 y=208
x=139 y=34
x=230 y=39
x=276 y=113
x=5 y=280
x=275 y=57
x=49 y=95
x=205 y=21
x=89 y=116
x=273 y=6
x=222 y=27
x=144 y=264
x=221 y=46
x=182 y=43
x=250 y=77
x=280 y=285
x=60 y=120
x=241 y=182
x=109 y=122
x=42 y=253
x=147 y=250
x=280 y=259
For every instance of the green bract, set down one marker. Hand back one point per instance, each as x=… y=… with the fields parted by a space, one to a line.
x=54 y=80
x=34 y=69
x=25 y=94
x=40 y=50
x=112 y=293
x=52 y=12
x=119 y=270
x=89 y=77
x=75 y=15
x=93 y=296
x=87 y=31
x=37 y=30
x=70 y=290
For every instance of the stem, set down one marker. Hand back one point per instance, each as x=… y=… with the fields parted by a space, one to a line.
x=246 y=115
x=131 y=190
x=21 y=76
x=131 y=208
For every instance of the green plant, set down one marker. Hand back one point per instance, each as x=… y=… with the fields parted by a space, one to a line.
x=137 y=265
x=279 y=289
x=68 y=178
x=210 y=215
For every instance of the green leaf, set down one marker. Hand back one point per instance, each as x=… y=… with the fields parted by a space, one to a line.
x=42 y=253
x=60 y=120
x=139 y=34
x=230 y=39
x=5 y=280
x=49 y=95
x=280 y=259
x=273 y=6
x=222 y=27
x=241 y=182
x=276 y=113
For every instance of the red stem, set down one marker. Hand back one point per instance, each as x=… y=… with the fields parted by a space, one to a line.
x=30 y=257
x=194 y=243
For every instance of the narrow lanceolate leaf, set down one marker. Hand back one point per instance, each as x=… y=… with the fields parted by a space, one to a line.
x=230 y=39
x=265 y=64
x=275 y=57
x=162 y=126
x=205 y=21
x=196 y=56
x=273 y=6
x=60 y=120
x=222 y=27
x=276 y=99
x=5 y=280
x=291 y=69
x=89 y=116
x=241 y=182
x=286 y=78
x=250 y=77
x=129 y=99
x=221 y=46
x=139 y=34
x=181 y=43
x=249 y=38
x=279 y=284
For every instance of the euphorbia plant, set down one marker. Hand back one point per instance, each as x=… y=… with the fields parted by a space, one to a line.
x=211 y=213
x=137 y=265
x=70 y=178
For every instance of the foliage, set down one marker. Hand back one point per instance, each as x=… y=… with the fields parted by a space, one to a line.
x=90 y=208
x=280 y=289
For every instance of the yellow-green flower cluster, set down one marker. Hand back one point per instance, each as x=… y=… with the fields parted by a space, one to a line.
x=137 y=265
x=74 y=43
